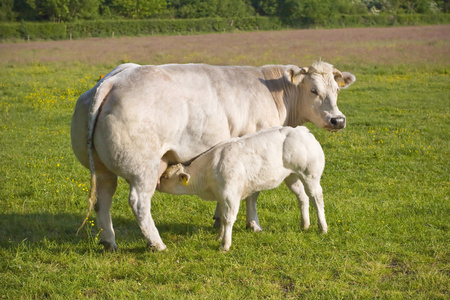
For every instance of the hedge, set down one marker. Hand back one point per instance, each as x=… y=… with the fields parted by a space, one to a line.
x=109 y=28
x=29 y=30
x=381 y=20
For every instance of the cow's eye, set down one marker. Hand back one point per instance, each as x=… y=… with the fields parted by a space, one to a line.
x=314 y=91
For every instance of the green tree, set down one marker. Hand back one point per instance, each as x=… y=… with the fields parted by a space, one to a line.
x=212 y=8
x=7 y=13
x=56 y=10
x=443 y=5
x=303 y=12
x=265 y=7
x=139 y=9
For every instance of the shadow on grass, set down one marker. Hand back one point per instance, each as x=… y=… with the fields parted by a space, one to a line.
x=60 y=230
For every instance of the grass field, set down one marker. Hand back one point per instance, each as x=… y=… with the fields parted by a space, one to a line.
x=386 y=181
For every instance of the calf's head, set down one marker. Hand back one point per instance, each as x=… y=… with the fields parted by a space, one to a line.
x=174 y=180
x=318 y=87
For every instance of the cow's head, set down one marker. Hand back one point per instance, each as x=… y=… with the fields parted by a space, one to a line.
x=318 y=88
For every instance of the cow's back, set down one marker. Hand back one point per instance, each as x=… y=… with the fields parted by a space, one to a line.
x=185 y=109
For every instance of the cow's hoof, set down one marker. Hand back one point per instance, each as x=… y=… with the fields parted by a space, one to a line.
x=107 y=246
x=254 y=226
x=157 y=247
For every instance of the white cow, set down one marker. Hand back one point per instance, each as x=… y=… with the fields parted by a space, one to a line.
x=139 y=119
x=240 y=167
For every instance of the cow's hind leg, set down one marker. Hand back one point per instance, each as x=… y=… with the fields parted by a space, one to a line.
x=296 y=186
x=142 y=188
x=106 y=187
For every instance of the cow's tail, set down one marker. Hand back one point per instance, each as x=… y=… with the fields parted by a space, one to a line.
x=102 y=91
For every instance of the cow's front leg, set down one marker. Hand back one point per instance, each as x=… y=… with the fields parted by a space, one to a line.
x=252 y=215
x=142 y=188
x=296 y=186
x=106 y=187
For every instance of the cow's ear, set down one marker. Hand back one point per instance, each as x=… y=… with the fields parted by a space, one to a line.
x=185 y=177
x=295 y=74
x=343 y=79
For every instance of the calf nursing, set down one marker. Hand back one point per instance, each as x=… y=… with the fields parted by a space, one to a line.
x=242 y=167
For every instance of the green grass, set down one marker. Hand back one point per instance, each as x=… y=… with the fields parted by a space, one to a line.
x=386 y=190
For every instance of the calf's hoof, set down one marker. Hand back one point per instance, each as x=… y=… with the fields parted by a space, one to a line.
x=254 y=226
x=107 y=246
x=157 y=247
x=224 y=249
x=323 y=229
x=305 y=226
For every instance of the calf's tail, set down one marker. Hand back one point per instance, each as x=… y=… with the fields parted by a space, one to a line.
x=102 y=91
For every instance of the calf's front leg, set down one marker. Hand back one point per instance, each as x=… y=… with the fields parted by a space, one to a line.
x=229 y=209
x=252 y=215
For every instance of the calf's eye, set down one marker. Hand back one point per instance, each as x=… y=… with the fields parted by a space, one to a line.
x=314 y=91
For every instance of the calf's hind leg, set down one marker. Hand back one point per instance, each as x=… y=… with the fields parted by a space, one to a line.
x=296 y=186
x=314 y=191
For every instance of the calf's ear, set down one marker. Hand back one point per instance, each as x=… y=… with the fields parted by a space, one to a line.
x=343 y=79
x=295 y=74
x=184 y=177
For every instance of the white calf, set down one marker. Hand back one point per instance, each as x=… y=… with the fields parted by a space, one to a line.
x=241 y=167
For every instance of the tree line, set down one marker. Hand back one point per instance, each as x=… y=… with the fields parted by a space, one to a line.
x=289 y=12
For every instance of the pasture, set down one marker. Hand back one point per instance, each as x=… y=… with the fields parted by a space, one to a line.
x=386 y=181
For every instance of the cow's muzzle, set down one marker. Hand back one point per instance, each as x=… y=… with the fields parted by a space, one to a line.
x=338 y=122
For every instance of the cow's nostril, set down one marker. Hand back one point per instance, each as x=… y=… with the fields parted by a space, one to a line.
x=338 y=122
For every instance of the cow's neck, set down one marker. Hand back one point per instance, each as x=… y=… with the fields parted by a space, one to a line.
x=284 y=94
x=295 y=103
